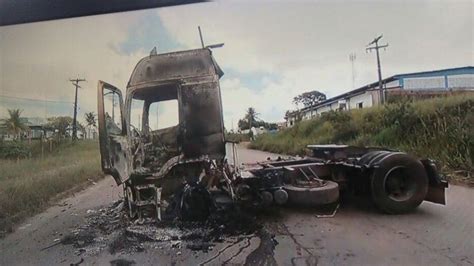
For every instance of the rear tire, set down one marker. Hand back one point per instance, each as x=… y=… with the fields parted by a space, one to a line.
x=130 y=201
x=313 y=195
x=399 y=184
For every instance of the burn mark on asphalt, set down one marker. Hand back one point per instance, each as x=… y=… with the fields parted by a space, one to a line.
x=221 y=251
x=110 y=229
x=77 y=263
x=122 y=262
x=242 y=248
x=309 y=259
x=263 y=254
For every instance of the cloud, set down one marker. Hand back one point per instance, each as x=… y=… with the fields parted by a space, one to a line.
x=272 y=52
x=305 y=46
x=38 y=59
x=145 y=33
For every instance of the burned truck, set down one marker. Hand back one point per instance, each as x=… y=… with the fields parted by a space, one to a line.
x=154 y=159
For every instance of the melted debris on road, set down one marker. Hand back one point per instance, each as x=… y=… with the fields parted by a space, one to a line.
x=111 y=229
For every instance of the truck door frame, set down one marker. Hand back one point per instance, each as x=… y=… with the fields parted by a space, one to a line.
x=114 y=148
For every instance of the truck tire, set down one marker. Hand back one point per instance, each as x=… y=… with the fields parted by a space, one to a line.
x=311 y=195
x=369 y=157
x=399 y=184
x=129 y=198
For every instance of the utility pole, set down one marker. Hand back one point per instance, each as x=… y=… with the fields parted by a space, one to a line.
x=376 y=47
x=75 y=82
x=352 y=57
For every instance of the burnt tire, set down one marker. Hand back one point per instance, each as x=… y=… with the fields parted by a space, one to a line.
x=399 y=184
x=129 y=198
x=313 y=195
x=372 y=156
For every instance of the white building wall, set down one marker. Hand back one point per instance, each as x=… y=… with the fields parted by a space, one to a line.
x=461 y=81
x=365 y=99
x=393 y=84
x=306 y=114
x=323 y=109
x=424 y=83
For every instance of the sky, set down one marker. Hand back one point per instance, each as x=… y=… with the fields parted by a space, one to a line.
x=273 y=50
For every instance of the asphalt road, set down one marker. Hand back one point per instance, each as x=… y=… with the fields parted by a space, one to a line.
x=357 y=235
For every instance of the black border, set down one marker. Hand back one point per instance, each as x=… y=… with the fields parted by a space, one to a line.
x=26 y=11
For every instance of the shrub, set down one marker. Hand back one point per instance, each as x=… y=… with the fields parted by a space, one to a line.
x=14 y=150
x=237 y=137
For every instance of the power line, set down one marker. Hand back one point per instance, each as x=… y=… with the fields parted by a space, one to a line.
x=42 y=101
x=35 y=100
x=376 y=47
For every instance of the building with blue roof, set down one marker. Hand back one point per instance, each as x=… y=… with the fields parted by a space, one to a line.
x=426 y=83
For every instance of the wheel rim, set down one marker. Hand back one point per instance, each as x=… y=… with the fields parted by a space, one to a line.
x=131 y=207
x=399 y=185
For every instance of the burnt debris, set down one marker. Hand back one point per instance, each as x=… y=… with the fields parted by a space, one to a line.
x=111 y=229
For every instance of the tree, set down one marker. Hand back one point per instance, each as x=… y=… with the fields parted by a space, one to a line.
x=243 y=124
x=14 y=124
x=81 y=128
x=60 y=123
x=251 y=116
x=309 y=98
x=90 y=121
x=249 y=120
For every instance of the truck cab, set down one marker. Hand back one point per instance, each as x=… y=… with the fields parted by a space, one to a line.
x=171 y=116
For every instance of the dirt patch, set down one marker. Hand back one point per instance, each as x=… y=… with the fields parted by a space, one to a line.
x=462 y=178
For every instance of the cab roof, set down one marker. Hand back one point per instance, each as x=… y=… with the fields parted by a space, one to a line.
x=174 y=66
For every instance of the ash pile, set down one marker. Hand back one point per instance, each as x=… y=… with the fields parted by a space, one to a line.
x=188 y=222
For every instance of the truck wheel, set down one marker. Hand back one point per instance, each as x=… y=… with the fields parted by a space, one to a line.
x=369 y=157
x=313 y=194
x=399 y=184
x=130 y=201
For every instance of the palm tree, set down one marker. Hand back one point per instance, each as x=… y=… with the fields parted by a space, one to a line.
x=14 y=124
x=82 y=129
x=251 y=116
x=90 y=121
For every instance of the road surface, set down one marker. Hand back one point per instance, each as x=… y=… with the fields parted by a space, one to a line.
x=357 y=235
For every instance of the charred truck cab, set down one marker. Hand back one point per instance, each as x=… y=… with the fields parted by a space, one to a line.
x=155 y=157
x=150 y=160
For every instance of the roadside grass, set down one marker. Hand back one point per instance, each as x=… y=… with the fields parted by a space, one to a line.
x=439 y=128
x=27 y=186
x=237 y=137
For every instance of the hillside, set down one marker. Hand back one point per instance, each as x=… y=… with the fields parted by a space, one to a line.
x=439 y=128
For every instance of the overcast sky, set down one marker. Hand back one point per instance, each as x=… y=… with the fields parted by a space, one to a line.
x=272 y=52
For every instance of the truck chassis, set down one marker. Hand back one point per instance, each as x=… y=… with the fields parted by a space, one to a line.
x=395 y=181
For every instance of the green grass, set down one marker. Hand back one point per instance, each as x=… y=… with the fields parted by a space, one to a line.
x=27 y=186
x=237 y=137
x=439 y=128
